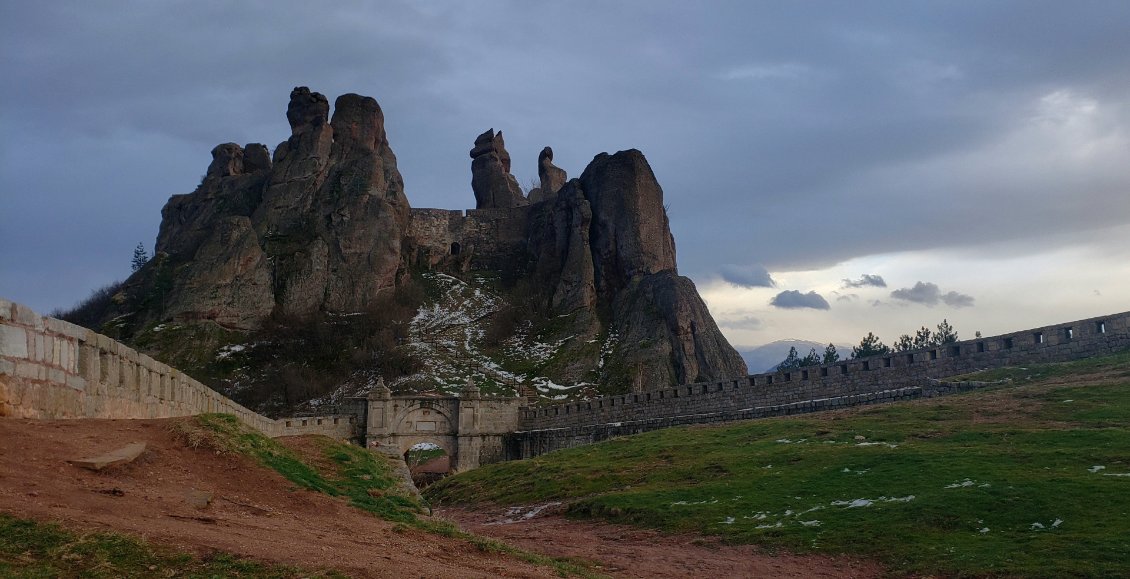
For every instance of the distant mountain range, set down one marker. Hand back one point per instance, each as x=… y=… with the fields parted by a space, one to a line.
x=766 y=358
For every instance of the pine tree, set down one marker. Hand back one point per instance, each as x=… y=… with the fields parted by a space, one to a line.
x=904 y=344
x=870 y=345
x=946 y=333
x=810 y=359
x=140 y=257
x=791 y=361
x=923 y=338
x=831 y=356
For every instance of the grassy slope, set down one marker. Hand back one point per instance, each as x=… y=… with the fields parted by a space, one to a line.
x=1027 y=454
x=33 y=549
x=364 y=478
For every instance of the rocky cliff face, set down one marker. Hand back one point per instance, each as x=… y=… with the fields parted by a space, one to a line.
x=319 y=228
x=324 y=227
x=604 y=245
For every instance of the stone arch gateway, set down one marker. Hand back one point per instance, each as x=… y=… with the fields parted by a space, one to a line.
x=470 y=428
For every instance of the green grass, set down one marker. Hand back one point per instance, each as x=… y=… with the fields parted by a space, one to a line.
x=364 y=478
x=787 y=483
x=33 y=549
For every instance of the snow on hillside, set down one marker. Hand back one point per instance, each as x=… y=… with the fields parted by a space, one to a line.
x=448 y=336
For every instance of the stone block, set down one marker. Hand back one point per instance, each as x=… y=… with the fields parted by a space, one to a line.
x=25 y=316
x=7 y=368
x=13 y=342
x=76 y=383
x=30 y=371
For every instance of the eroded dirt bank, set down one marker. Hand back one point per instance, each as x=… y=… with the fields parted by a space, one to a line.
x=624 y=551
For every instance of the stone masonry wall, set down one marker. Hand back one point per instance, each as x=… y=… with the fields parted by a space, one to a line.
x=53 y=369
x=875 y=376
x=491 y=239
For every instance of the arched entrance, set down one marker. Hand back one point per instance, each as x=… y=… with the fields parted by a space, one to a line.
x=427 y=462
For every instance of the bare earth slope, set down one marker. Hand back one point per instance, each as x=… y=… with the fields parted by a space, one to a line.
x=624 y=551
x=255 y=512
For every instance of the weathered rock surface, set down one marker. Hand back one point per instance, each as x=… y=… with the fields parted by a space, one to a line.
x=605 y=245
x=325 y=226
x=319 y=228
x=552 y=177
x=494 y=186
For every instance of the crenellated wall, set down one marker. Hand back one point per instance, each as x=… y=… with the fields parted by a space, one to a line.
x=876 y=379
x=53 y=369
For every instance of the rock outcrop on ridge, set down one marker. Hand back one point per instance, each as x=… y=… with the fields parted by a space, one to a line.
x=605 y=246
x=324 y=228
x=494 y=186
x=317 y=228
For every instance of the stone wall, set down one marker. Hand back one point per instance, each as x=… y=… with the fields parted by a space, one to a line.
x=470 y=428
x=489 y=239
x=867 y=377
x=53 y=369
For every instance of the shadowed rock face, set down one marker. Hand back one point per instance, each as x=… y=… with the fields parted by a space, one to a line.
x=325 y=226
x=552 y=178
x=605 y=247
x=320 y=228
x=494 y=186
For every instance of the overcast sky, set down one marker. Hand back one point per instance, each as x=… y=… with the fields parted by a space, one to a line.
x=830 y=168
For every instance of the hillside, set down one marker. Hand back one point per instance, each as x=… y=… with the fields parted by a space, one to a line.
x=288 y=275
x=1028 y=478
x=210 y=498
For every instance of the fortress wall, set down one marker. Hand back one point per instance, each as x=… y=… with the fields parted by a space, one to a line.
x=53 y=369
x=868 y=376
x=531 y=443
x=491 y=239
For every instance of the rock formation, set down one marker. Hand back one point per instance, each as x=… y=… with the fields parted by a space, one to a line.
x=552 y=178
x=319 y=228
x=494 y=186
x=325 y=226
x=605 y=246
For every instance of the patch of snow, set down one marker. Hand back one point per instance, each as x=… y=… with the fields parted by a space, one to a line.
x=983 y=530
x=686 y=503
x=1116 y=474
x=857 y=503
x=226 y=351
x=810 y=523
x=1069 y=401
x=1057 y=523
x=728 y=521
x=1037 y=526
x=1096 y=468
x=778 y=525
x=886 y=444
x=424 y=446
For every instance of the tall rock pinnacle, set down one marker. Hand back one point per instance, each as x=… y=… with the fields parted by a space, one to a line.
x=494 y=186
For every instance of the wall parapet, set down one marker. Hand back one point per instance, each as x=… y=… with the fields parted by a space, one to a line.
x=50 y=368
x=1059 y=342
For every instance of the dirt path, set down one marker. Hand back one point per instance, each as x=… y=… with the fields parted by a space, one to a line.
x=255 y=513
x=624 y=551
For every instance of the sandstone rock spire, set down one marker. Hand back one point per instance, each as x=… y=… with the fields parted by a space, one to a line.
x=494 y=186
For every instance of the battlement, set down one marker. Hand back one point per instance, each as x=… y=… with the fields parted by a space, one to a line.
x=885 y=373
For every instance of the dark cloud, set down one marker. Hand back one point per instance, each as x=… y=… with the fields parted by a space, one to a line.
x=745 y=322
x=866 y=280
x=793 y=299
x=957 y=300
x=929 y=294
x=812 y=136
x=747 y=275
